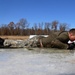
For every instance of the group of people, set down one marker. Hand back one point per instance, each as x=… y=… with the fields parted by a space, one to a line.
x=54 y=40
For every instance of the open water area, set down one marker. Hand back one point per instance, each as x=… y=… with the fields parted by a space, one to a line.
x=37 y=61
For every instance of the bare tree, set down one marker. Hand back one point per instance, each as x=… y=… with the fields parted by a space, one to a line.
x=35 y=28
x=40 y=28
x=63 y=26
x=11 y=26
x=4 y=30
x=47 y=27
x=22 y=24
x=54 y=25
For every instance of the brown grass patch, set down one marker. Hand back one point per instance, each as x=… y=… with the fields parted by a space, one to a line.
x=15 y=37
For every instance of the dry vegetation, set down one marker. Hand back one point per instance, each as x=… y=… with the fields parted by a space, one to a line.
x=15 y=37
x=22 y=28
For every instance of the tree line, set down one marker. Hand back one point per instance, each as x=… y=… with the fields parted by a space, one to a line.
x=23 y=28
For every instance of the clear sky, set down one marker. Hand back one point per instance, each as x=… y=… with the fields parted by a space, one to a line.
x=36 y=11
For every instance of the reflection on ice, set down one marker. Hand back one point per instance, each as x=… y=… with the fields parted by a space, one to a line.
x=37 y=62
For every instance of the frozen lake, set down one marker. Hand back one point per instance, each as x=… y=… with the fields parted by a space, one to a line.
x=37 y=62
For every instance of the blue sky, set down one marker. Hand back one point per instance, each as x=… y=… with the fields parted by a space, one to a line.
x=37 y=11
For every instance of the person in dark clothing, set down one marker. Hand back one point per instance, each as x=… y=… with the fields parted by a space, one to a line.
x=58 y=40
x=1 y=42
